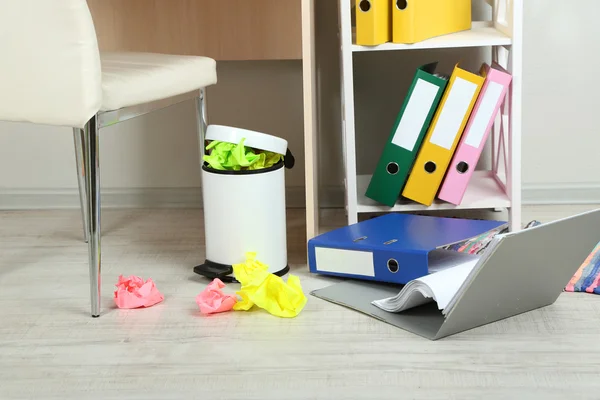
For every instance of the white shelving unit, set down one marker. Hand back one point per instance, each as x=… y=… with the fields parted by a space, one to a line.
x=500 y=187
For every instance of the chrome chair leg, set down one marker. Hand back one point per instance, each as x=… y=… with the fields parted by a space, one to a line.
x=201 y=120
x=78 y=139
x=93 y=191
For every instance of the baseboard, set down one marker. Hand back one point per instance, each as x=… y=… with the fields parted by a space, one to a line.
x=561 y=193
x=330 y=197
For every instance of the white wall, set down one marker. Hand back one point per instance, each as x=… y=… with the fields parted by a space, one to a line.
x=560 y=103
x=153 y=160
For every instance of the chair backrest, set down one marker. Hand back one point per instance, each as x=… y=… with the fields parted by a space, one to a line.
x=49 y=62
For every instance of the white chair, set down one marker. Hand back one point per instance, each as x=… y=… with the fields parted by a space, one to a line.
x=52 y=72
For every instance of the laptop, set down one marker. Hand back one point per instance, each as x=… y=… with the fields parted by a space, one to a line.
x=518 y=272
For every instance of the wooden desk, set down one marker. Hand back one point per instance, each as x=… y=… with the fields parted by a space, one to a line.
x=224 y=30
x=220 y=29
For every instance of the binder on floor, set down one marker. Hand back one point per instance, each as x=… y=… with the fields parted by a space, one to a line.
x=472 y=142
x=373 y=22
x=415 y=21
x=442 y=136
x=393 y=248
x=519 y=272
x=407 y=135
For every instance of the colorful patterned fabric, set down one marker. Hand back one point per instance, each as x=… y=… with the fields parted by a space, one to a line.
x=586 y=279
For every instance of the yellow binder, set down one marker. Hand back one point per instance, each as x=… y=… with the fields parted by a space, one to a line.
x=414 y=21
x=442 y=136
x=373 y=22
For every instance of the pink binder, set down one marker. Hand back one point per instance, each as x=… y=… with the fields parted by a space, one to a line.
x=476 y=132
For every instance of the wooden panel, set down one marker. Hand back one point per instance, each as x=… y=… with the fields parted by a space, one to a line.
x=310 y=119
x=221 y=29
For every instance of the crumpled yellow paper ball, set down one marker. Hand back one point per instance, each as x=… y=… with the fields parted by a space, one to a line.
x=266 y=290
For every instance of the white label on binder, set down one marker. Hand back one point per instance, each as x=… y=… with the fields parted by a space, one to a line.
x=414 y=115
x=344 y=261
x=453 y=113
x=484 y=114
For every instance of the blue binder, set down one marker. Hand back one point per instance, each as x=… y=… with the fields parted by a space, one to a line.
x=392 y=248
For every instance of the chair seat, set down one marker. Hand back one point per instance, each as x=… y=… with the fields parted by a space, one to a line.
x=135 y=78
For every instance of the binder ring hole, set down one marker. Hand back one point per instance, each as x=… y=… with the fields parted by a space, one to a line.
x=365 y=5
x=430 y=167
x=462 y=167
x=359 y=239
x=392 y=168
x=401 y=4
x=393 y=265
x=390 y=241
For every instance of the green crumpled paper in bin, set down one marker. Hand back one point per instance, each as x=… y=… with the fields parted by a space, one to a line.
x=231 y=156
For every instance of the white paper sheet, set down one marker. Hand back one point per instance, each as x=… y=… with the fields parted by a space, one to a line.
x=440 y=287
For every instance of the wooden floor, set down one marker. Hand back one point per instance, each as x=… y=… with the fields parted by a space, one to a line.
x=51 y=349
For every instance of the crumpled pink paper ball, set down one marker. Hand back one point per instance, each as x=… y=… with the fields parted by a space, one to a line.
x=212 y=299
x=133 y=292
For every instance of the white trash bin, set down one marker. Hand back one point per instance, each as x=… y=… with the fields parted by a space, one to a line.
x=244 y=211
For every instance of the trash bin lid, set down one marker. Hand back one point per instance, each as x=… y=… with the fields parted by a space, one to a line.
x=253 y=139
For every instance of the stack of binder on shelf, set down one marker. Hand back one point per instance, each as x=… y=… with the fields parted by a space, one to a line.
x=400 y=151
x=476 y=133
x=407 y=22
x=428 y=156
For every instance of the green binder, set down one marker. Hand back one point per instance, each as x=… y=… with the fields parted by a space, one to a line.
x=403 y=144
